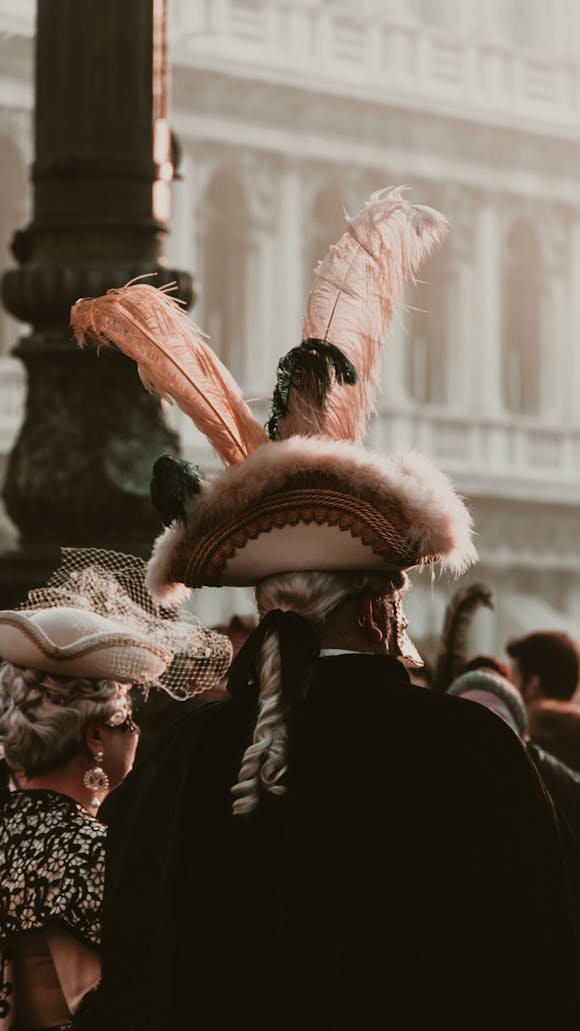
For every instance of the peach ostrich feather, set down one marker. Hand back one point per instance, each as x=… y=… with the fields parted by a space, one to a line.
x=174 y=361
x=357 y=288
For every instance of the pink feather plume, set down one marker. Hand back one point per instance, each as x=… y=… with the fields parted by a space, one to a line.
x=357 y=288
x=174 y=361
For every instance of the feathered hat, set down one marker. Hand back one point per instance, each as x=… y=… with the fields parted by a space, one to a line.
x=305 y=495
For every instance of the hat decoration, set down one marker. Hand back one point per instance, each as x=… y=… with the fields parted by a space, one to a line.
x=311 y=497
x=174 y=361
x=356 y=291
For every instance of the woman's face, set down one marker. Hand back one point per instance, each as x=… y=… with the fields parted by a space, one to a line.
x=119 y=746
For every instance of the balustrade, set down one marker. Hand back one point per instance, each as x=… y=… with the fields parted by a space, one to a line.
x=472 y=449
x=377 y=50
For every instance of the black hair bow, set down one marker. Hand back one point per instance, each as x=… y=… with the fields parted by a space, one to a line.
x=298 y=651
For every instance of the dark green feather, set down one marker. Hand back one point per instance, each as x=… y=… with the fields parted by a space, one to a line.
x=316 y=364
x=172 y=484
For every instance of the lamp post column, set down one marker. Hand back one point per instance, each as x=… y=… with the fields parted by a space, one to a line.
x=79 y=472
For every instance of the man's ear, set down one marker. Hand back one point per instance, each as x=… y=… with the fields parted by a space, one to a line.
x=532 y=688
x=368 y=618
x=364 y=611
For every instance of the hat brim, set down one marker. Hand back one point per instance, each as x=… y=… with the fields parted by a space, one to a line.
x=307 y=503
x=75 y=643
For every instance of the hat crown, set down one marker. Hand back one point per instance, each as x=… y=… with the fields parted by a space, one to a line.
x=66 y=626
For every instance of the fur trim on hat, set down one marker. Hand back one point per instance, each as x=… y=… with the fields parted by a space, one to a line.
x=433 y=522
x=159 y=578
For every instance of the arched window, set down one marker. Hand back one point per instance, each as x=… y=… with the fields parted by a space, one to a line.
x=225 y=269
x=441 y=14
x=522 y=321
x=327 y=224
x=528 y=23
x=427 y=332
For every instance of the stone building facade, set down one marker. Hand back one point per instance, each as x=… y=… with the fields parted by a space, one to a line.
x=288 y=111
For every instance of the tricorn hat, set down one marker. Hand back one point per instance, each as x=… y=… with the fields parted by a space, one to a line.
x=303 y=494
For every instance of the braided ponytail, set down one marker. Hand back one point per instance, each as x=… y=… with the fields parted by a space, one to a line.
x=314 y=596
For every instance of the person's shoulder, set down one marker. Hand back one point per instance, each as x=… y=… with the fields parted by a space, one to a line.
x=466 y=720
x=48 y=813
x=76 y=837
x=391 y=685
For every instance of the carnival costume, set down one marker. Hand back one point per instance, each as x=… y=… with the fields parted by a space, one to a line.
x=387 y=844
x=92 y=623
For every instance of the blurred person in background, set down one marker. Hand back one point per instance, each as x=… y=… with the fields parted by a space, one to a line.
x=487 y=662
x=489 y=688
x=545 y=668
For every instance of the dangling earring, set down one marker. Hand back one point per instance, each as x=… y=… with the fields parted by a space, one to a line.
x=96 y=779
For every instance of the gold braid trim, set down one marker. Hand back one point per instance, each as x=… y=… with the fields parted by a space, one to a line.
x=331 y=507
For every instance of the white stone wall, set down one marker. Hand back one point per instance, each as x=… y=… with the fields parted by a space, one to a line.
x=286 y=110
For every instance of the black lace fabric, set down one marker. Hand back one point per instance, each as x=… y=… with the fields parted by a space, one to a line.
x=52 y=870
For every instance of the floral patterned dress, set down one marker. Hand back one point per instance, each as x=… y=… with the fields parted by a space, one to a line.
x=52 y=871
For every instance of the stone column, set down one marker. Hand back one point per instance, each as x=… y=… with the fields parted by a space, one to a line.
x=79 y=473
x=486 y=370
x=554 y=347
x=256 y=365
x=573 y=335
x=461 y=329
x=291 y=301
x=180 y=241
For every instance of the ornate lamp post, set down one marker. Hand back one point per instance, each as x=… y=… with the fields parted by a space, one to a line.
x=79 y=472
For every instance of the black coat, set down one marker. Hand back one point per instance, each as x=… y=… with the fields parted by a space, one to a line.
x=412 y=877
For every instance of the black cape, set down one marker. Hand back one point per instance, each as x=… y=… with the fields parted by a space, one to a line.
x=411 y=877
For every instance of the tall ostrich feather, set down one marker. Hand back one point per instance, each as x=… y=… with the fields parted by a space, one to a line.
x=455 y=635
x=173 y=360
x=357 y=288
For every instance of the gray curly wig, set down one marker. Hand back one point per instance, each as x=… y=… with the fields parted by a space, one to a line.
x=43 y=717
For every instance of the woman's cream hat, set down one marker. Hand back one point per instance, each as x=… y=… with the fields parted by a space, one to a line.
x=76 y=643
x=95 y=620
